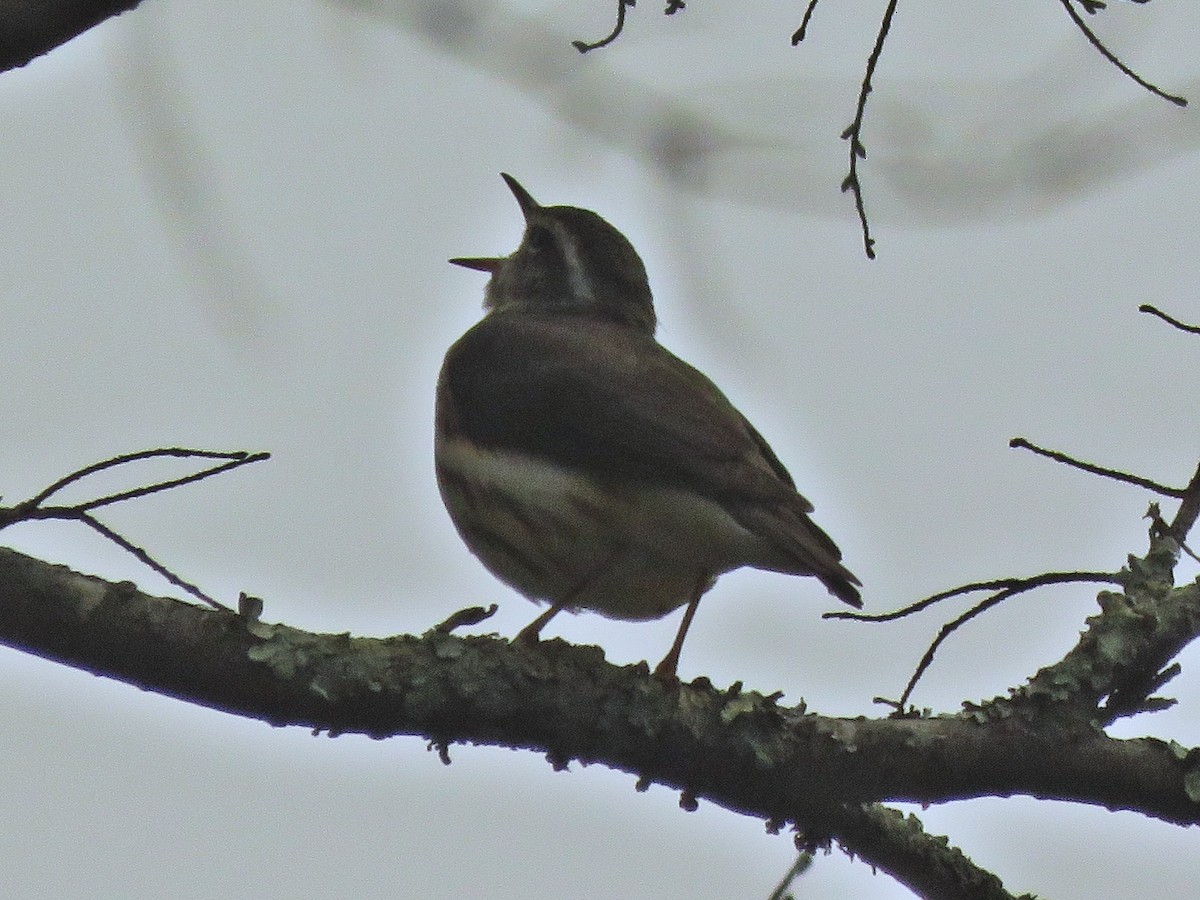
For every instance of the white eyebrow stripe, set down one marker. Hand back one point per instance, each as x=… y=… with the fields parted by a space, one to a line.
x=581 y=288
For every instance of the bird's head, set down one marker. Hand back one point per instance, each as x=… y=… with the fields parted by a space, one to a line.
x=570 y=261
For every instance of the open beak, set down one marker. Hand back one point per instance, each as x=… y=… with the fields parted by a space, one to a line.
x=487 y=264
x=490 y=264
x=526 y=202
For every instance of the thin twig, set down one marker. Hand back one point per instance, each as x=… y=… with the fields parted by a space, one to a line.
x=1112 y=58
x=1170 y=320
x=1189 y=509
x=1004 y=588
x=584 y=47
x=1022 y=444
x=174 y=482
x=148 y=560
x=804 y=860
x=853 y=134
x=944 y=632
x=33 y=510
x=803 y=29
x=176 y=452
x=1017 y=585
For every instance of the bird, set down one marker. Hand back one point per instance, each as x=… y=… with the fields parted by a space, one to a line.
x=587 y=466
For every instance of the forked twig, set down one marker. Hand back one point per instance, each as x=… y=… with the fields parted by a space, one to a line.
x=34 y=509
x=232 y=459
x=1004 y=588
x=1018 y=585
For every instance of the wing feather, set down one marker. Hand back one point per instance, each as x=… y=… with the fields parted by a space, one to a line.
x=605 y=399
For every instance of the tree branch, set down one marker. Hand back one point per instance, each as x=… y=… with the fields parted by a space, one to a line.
x=1124 y=653
x=38 y=26
x=927 y=864
x=739 y=750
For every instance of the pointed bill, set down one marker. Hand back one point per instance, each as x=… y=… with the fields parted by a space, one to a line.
x=487 y=264
x=524 y=200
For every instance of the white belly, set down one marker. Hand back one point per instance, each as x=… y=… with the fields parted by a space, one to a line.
x=556 y=535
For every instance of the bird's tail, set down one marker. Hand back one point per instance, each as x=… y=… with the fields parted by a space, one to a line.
x=842 y=584
x=809 y=550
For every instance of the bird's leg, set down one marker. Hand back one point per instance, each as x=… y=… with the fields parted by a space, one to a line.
x=666 y=669
x=529 y=634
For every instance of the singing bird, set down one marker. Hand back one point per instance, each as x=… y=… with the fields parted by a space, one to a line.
x=587 y=466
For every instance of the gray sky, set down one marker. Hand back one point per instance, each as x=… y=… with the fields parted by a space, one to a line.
x=227 y=226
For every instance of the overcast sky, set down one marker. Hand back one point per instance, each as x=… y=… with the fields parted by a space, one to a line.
x=226 y=226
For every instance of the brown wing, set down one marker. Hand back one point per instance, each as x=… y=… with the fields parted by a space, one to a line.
x=586 y=394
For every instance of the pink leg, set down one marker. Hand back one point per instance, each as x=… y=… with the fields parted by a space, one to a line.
x=529 y=634
x=666 y=668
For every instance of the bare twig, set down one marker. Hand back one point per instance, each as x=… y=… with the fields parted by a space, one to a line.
x=1018 y=585
x=853 y=134
x=472 y=615
x=1112 y=57
x=803 y=29
x=1004 y=588
x=584 y=46
x=804 y=860
x=944 y=632
x=1170 y=320
x=1189 y=509
x=146 y=559
x=1022 y=444
x=33 y=509
x=237 y=458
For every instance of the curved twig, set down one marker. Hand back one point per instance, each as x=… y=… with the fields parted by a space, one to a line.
x=1021 y=443
x=1112 y=57
x=1170 y=320
x=1018 y=585
x=584 y=46
x=1004 y=588
x=240 y=457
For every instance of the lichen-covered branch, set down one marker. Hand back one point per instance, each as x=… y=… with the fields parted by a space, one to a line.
x=930 y=865
x=1124 y=653
x=737 y=749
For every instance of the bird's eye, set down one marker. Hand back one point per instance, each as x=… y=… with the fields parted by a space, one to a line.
x=539 y=239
